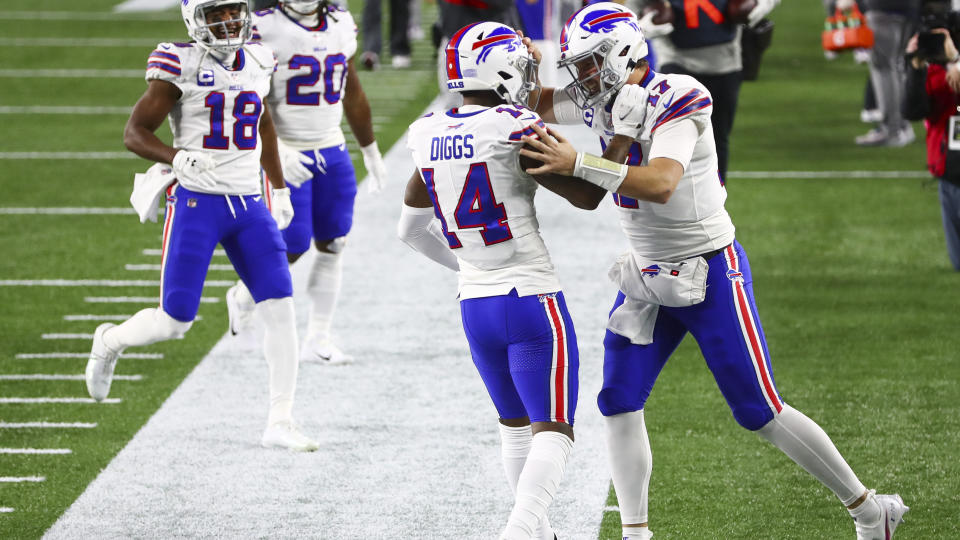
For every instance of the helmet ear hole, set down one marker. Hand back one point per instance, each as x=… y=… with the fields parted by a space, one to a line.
x=504 y=75
x=624 y=51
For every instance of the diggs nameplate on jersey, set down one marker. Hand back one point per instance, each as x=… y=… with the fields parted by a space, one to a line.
x=451 y=147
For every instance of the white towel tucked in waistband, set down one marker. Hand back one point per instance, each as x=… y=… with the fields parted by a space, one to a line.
x=148 y=187
x=649 y=284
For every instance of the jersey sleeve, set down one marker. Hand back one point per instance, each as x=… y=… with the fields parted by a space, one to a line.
x=688 y=100
x=347 y=30
x=165 y=64
x=522 y=124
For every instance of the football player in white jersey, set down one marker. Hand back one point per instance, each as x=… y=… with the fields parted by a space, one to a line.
x=314 y=86
x=685 y=271
x=514 y=315
x=212 y=90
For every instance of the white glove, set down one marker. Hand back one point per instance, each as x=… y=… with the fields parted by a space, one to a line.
x=763 y=8
x=652 y=30
x=845 y=5
x=629 y=110
x=294 y=164
x=195 y=168
x=373 y=162
x=280 y=207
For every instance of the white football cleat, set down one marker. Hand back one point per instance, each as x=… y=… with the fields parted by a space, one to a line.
x=99 y=373
x=324 y=352
x=892 y=510
x=287 y=435
x=238 y=313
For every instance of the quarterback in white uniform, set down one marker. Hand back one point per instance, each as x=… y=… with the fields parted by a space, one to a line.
x=212 y=90
x=514 y=314
x=315 y=84
x=685 y=272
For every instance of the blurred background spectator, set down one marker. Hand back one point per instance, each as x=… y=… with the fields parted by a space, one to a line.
x=373 y=36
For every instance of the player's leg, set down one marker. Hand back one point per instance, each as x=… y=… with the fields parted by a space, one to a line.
x=544 y=366
x=334 y=191
x=257 y=251
x=629 y=373
x=727 y=328
x=190 y=234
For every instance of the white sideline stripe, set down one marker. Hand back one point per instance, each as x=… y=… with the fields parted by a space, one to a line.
x=216 y=253
x=71 y=73
x=611 y=509
x=47 y=425
x=99 y=283
x=6 y=510
x=66 y=336
x=151 y=267
x=35 y=451
x=66 y=155
x=67 y=355
x=139 y=6
x=63 y=110
x=828 y=174
x=18 y=479
x=56 y=400
x=146 y=299
x=66 y=211
x=83 y=16
x=62 y=377
x=78 y=42
x=107 y=317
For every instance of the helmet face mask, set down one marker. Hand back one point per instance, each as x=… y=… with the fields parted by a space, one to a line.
x=217 y=27
x=600 y=46
x=490 y=56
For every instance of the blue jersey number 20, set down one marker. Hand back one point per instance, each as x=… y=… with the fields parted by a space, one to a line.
x=477 y=208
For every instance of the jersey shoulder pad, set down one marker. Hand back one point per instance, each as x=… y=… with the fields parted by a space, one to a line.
x=685 y=97
x=518 y=122
x=167 y=60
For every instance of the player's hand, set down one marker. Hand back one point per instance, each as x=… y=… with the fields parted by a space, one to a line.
x=651 y=29
x=295 y=165
x=280 y=207
x=532 y=49
x=629 y=110
x=760 y=11
x=195 y=168
x=373 y=162
x=557 y=155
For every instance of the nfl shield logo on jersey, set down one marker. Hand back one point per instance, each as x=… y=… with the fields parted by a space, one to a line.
x=191 y=203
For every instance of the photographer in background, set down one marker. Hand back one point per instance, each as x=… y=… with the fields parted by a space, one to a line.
x=933 y=95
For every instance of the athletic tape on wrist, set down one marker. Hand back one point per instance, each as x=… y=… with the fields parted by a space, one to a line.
x=599 y=171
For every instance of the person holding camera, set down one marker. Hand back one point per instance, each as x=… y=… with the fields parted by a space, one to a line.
x=933 y=94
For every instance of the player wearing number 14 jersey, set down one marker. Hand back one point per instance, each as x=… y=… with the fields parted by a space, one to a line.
x=212 y=91
x=514 y=315
x=314 y=87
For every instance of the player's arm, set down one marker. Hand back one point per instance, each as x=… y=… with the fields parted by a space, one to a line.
x=418 y=228
x=654 y=182
x=148 y=115
x=356 y=108
x=578 y=192
x=270 y=154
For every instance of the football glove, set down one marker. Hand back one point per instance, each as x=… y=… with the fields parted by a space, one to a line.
x=651 y=29
x=294 y=164
x=373 y=162
x=629 y=110
x=195 y=168
x=758 y=13
x=280 y=207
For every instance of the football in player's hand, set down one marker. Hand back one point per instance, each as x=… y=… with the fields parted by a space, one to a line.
x=662 y=9
x=737 y=10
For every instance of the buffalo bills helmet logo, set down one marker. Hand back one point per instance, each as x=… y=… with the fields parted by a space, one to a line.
x=605 y=20
x=650 y=271
x=501 y=37
x=735 y=275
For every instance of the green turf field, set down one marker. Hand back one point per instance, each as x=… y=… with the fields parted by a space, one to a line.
x=859 y=304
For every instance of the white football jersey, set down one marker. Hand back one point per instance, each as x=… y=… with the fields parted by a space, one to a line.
x=468 y=159
x=311 y=76
x=694 y=220
x=220 y=108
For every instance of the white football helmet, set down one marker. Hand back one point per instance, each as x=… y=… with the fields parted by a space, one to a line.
x=195 y=17
x=490 y=56
x=600 y=45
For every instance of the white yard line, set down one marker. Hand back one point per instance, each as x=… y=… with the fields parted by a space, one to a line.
x=48 y=425
x=35 y=451
x=84 y=16
x=66 y=336
x=6 y=510
x=78 y=42
x=71 y=73
x=100 y=283
x=21 y=479
x=66 y=211
x=42 y=400
x=799 y=175
x=156 y=252
x=139 y=6
x=65 y=110
x=66 y=155
x=401 y=456
x=61 y=377
x=145 y=299
x=156 y=267
x=69 y=355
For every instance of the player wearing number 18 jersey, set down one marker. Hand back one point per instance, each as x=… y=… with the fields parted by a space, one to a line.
x=213 y=91
x=514 y=315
